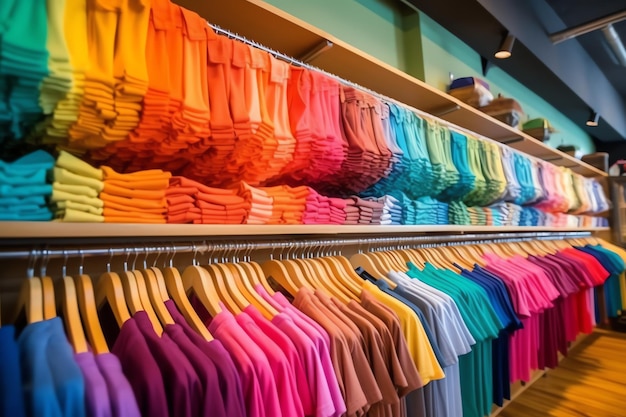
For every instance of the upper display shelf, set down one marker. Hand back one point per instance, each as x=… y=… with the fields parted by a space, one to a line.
x=56 y=230
x=272 y=27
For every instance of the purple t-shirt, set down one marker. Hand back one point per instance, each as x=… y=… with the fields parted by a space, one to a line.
x=141 y=370
x=121 y=396
x=182 y=385
x=229 y=381
x=97 y=401
x=212 y=403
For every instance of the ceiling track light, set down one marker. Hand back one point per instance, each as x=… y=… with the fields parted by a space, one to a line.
x=593 y=120
x=506 y=47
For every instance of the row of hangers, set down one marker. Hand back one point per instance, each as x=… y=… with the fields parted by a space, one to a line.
x=379 y=263
x=228 y=282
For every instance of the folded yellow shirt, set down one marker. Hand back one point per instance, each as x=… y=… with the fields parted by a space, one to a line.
x=77 y=216
x=64 y=176
x=75 y=189
x=71 y=163
x=62 y=205
x=58 y=196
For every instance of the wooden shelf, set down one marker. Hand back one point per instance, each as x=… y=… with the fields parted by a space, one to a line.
x=45 y=230
x=272 y=27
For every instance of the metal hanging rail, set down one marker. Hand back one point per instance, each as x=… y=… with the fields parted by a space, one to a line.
x=321 y=244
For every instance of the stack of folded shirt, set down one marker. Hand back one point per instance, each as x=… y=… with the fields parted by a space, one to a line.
x=221 y=206
x=75 y=189
x=192 y=202
x=337 y=210
x=23 y=187
x=458 y=214
x=288 y=204
x=23 y=65
x=259 y=203
x=370 y=211
x=392 y=210
x=352 y=212
x=428 y=212
x=477 y=216
x=138 y=197
x=181 y=201
x=318 y=209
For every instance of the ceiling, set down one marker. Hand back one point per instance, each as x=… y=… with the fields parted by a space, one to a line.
x=575 y=76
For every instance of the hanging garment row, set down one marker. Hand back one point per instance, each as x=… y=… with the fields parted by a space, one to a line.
x=427 y=331
x=39 y=187
x=220 y=111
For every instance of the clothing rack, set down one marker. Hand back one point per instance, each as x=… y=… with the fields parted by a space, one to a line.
x=380 y=96
x=316 y=245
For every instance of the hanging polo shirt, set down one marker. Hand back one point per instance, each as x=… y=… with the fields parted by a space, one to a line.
x=212 y=403
x=11 y=398
x=317 y=335
x=288 y=348
x=259 y=386
x=229 y=382
x=290 y=405
x=97 y=401
x=348 y=358
x=121 y=397
x=141 y=369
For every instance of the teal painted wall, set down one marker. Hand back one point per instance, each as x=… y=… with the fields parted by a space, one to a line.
x=444 y=53
x=414 y=43
x=381 y=28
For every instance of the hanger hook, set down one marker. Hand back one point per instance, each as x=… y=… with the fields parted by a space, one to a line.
x=32 y=261
x=127 y=251
x=82 y=262
x=64 y=267
x=108 y=264
x=44 y=262
x=194 y=247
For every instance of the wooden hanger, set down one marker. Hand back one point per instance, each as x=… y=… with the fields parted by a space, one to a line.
x=243 y=283
x=256 y=275
x=68 y=302
x=370 y=264
x=329 y=280
x=149 y=283
x=175 y=288
x=89 y=314
x=345 y=279
x=277 y=271
x=109 y=288
x=49 y=304
x=198 y=279
x=30 y=300
x=159 y=319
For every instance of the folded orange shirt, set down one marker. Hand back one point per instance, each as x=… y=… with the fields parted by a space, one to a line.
x=149 y=174
x=133 y=203
x=133 y=193
x=142 y=184
x=109 y=212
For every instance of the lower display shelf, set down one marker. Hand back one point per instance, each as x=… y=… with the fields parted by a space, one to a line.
x=35 y=230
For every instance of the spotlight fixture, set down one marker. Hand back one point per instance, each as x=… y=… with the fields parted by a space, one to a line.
x=593 y=119
x=506 y=47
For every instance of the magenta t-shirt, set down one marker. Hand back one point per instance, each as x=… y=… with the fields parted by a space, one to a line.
x=317 y=335
x=259 y=383
x=182 y=385
x=229 y=381
x=288 y=349
x=211 y=399
x=290 y=403
x=141 y=370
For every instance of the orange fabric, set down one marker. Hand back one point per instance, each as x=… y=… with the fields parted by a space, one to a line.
x=133 y=193
x=133 y=203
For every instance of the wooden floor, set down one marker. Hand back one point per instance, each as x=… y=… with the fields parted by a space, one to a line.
x=590 y=382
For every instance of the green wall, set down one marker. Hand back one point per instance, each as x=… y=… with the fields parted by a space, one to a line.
x=381 y=28
x=414 y=43
x=444 y=53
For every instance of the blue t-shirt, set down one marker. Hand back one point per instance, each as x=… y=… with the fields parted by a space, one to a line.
x=11 y=398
